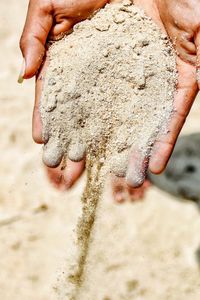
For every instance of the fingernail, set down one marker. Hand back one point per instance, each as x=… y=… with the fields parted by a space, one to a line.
x=22 y=72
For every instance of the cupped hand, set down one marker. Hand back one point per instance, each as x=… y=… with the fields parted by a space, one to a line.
x=51 y=18
x=185 y=94
x=181 y=19
x=48 y=19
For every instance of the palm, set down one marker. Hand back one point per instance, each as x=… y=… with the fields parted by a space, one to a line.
x=184 y=98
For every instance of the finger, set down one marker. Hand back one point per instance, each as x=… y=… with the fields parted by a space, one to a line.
x=182 y=40
x=52 y=153
x=59 y=30
x=77 y=150
x=138 y=193
x=37 y=26
x=185 y=49
x=137 y=168
x=183 y=43
x=63 y=180
x=72 y=172
x=118 y=189
x=55 y=176
x=197 y=43
x=119 y=163
x=65 y=21
x=36 y=121
x=184 y=98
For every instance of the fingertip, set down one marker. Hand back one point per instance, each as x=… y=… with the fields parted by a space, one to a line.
x=135 y=179
x=52 y=154
x=37 y=137
x=157 y=163
x=137 y=169
x=72 y=172
x=156 y=167
x=119 y=198
x=77 y=151
x=118 y=189
x=37 y=127
x=160 y=156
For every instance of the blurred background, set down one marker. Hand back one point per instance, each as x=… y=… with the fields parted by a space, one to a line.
x=152 y=251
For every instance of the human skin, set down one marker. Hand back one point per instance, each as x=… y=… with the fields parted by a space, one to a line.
x=48 y=19
x=181 y=19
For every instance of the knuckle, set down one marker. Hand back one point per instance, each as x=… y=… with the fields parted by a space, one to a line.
x=46 y=6
x=23 y=42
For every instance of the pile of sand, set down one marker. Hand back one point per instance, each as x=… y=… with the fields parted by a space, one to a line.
x=111 y=82
x=108 y=92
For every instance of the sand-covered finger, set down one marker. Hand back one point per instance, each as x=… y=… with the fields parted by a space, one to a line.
x=52 y=153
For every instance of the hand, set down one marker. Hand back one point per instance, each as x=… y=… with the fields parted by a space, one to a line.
x=33 y=45
x=186 y=92
x=181 y=19
x=50 y=19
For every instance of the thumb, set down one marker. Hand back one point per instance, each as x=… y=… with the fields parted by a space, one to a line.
x=32 y=43
x=197 y=43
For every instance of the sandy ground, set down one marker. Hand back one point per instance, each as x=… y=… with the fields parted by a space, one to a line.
x=146 y=250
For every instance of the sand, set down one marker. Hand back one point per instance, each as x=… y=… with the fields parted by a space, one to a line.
x=103 y=87
x=102 y=98
x=146 y=250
